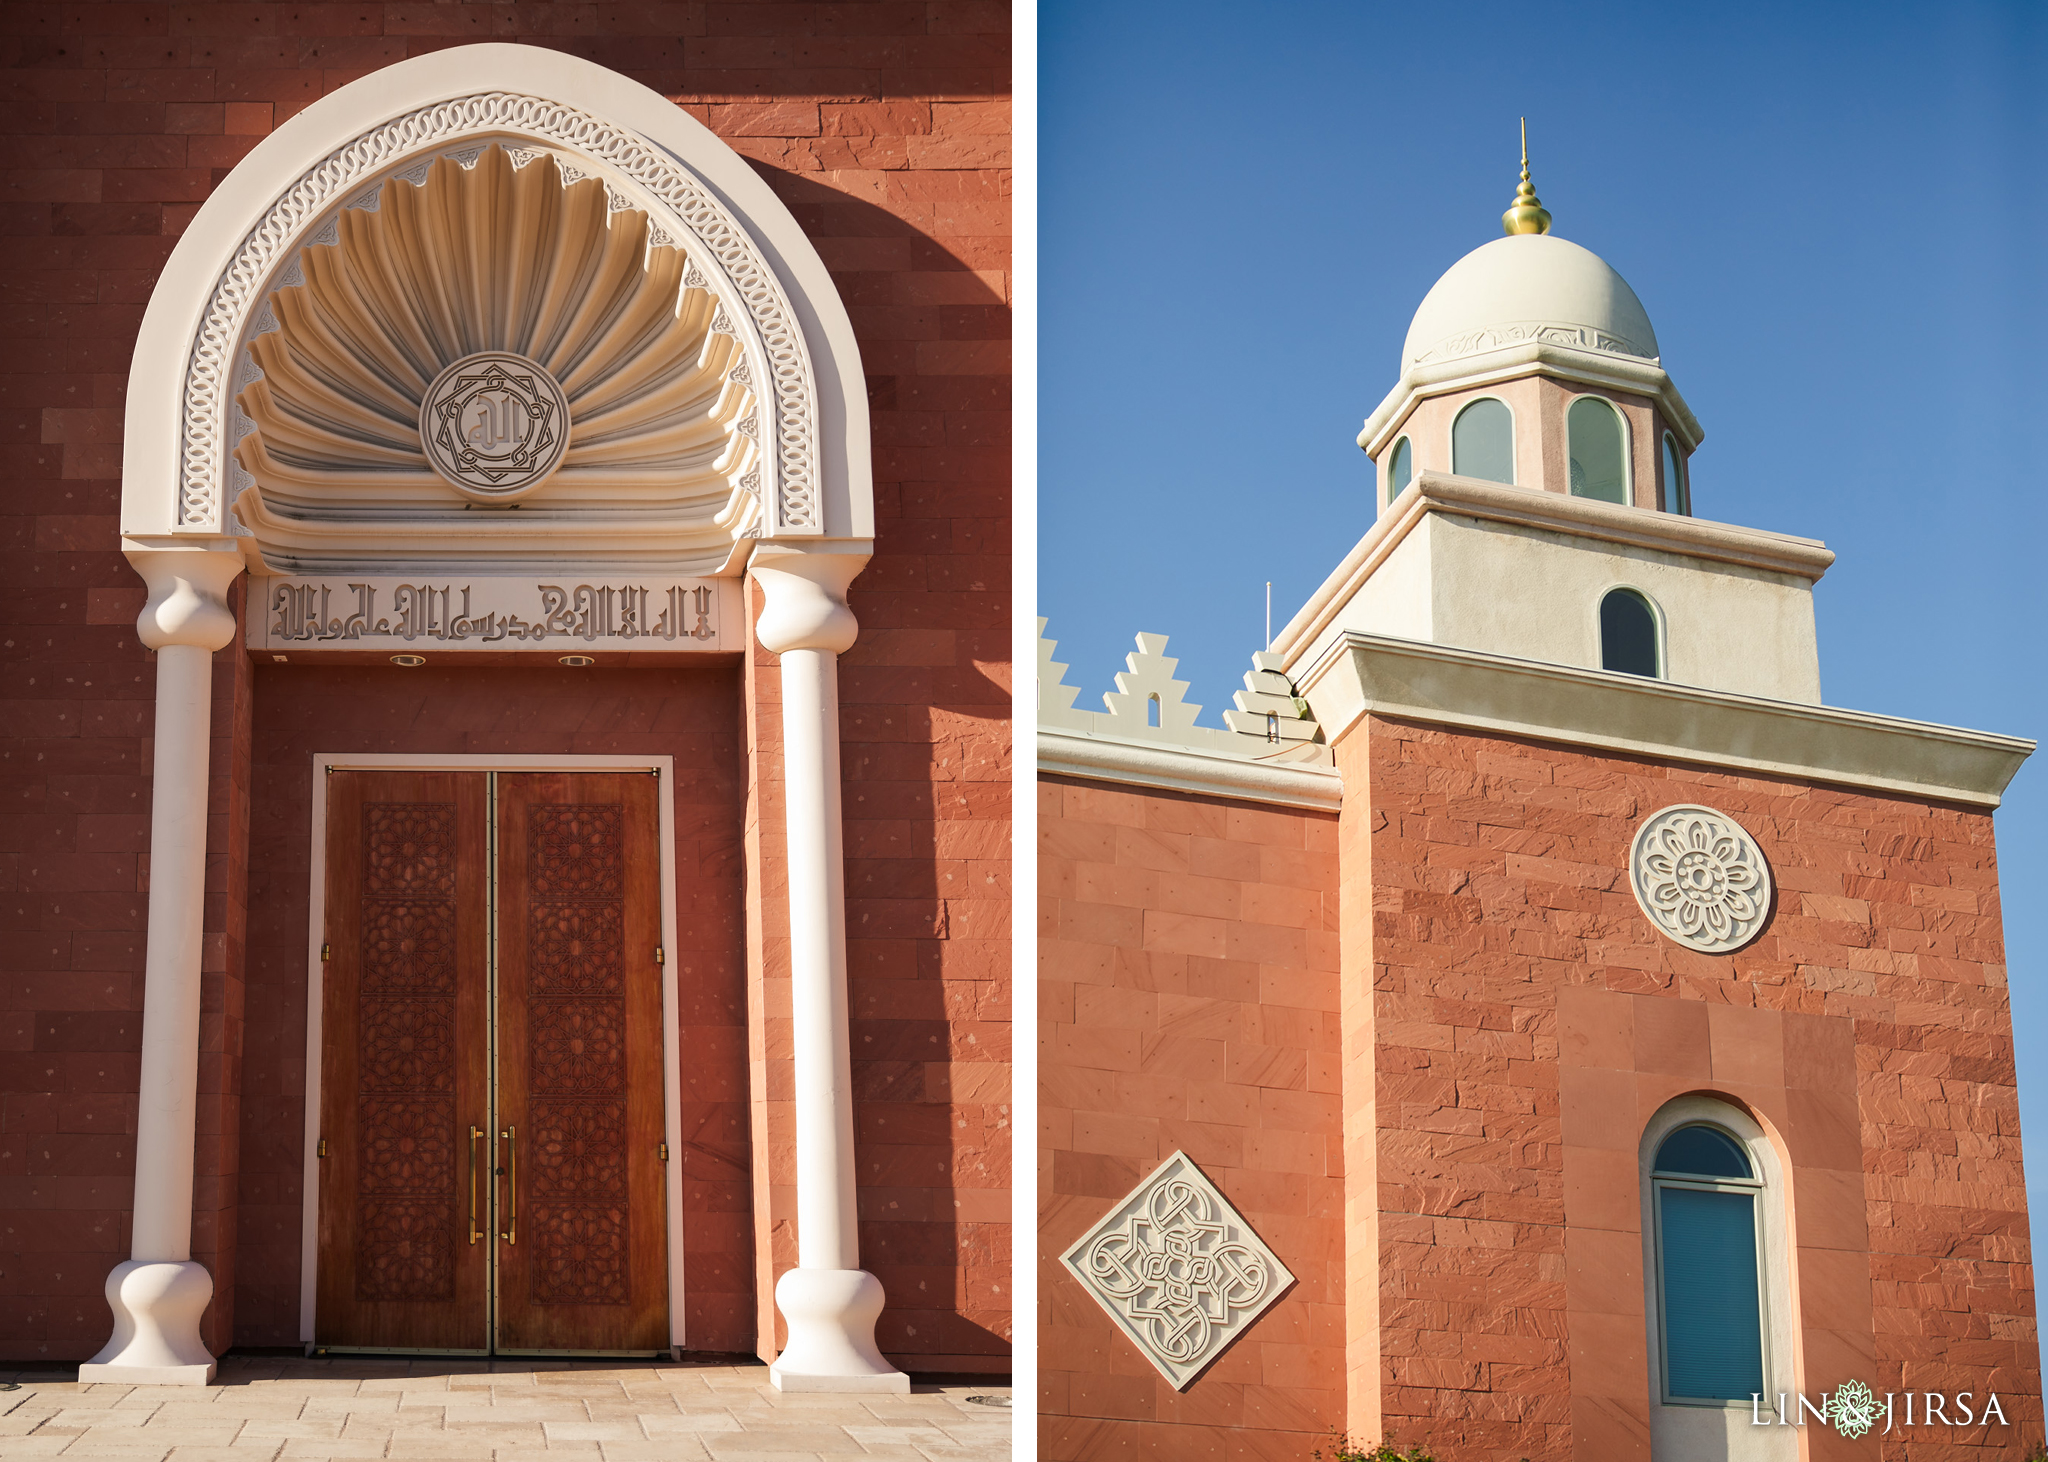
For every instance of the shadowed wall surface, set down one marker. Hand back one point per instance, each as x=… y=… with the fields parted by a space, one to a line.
x=885 y=128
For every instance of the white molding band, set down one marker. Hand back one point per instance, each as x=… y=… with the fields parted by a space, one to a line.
x=1362 y=674
x=1635 y=374
x=1146 y=735
x=1187 y=769
x=1631 y=527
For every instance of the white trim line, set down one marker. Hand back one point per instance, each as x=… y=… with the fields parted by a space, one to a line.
x=1409 y=680
x=671 y=1005
x=1637 y=375
x=1185 y=769
x=1440 y=492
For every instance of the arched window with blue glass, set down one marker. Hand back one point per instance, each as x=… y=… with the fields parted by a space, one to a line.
x=1599 y=450
x=1483 y=441
x=1630 y=641
x=1707 y=1197
x=1400 y=469
x=1675 y=494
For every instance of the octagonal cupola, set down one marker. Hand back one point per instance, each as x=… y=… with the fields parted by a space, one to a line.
x=1532 y=363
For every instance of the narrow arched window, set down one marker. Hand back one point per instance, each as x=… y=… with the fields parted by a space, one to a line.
x=1400 y=469
x=1599 y=458
x=1483 y=441
x=1675 y=496
x=1628 y=634
x=1710 y=1279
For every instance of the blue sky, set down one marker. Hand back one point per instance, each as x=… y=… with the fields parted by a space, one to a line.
x=1836 y=216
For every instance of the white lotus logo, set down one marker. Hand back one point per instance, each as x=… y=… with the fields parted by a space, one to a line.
x=1852 y=1410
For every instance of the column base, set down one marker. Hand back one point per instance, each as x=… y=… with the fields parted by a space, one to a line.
x=831 y=1315
x=156 y=1305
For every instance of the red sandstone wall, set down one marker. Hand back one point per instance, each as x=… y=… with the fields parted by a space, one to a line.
x=885 y=127
x=1526 y=1022
x=1188 y=989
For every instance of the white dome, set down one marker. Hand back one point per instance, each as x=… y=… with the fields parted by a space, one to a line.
x=1529 y=287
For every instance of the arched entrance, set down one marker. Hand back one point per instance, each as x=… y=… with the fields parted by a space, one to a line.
x=494 y=362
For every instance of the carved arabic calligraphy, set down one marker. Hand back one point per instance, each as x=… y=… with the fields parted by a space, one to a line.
x=339 y=612
x=494 y=424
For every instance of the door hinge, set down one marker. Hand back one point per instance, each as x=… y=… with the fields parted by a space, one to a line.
x=664 y=1152
x=326 y=952
x=321 y=1151
x=660 y=955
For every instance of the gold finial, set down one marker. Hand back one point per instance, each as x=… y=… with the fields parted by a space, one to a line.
x=1527 y=215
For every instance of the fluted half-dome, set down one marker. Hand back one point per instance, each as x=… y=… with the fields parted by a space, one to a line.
x=496 y=257
x=1528 y=288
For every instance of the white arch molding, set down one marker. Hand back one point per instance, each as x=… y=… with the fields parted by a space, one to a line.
x=799 y=521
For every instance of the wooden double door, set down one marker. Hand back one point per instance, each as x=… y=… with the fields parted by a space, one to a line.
x=490 y=1153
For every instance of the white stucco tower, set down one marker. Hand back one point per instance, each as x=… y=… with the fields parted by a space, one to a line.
x=1534 y=438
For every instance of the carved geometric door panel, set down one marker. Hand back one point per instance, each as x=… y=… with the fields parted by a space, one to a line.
x=579 y=1064
x=490 y=1171
x=404 y=1032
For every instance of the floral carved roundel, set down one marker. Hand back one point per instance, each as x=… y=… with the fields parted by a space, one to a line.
x=1700 y=878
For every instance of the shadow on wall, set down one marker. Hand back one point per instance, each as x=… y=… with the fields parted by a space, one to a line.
x=926 y=746
x=911 y=228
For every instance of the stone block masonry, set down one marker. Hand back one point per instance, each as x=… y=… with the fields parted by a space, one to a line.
x=884 y=127
x=1188 y=1000
x=1418 y=1046
x=1525 y=1023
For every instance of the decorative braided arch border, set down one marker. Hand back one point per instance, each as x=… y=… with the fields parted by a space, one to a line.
x=791 y=502
x=175 y=461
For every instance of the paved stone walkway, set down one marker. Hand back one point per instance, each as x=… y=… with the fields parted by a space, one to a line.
x=492 y=1411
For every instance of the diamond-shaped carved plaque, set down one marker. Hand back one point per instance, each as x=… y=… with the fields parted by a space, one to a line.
x=1178 y=1269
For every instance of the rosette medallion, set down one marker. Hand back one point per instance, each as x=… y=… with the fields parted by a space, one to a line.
x=1700 y=878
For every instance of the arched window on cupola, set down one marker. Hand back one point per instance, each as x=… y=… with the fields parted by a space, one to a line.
x=1628 y=634
x=1483 y=441
x=1705 y=1196
x=1400 y=469
x=1676 y=495
x=1599 y=450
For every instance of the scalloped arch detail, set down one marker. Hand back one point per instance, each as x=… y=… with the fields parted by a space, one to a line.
x=788 y=479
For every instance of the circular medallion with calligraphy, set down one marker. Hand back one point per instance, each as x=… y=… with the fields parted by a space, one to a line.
x=495 y=425
x=1700 y=878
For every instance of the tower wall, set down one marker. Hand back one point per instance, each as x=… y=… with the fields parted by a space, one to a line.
x=1421 y=1062
x=1527 y=1022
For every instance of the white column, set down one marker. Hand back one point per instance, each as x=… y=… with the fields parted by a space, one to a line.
x=160 y=1293
x=829 y=1302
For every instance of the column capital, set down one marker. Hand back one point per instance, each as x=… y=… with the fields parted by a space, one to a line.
x=806 y=589
x=188 y=581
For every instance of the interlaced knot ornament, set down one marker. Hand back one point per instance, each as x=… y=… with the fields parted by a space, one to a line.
x=1700 y=878
x=1178 y=1269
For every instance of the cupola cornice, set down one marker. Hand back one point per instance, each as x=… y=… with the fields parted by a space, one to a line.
x=1531 y=358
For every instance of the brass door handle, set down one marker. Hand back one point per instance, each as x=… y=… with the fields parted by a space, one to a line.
x=474 y=1232
x=511 y=1232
